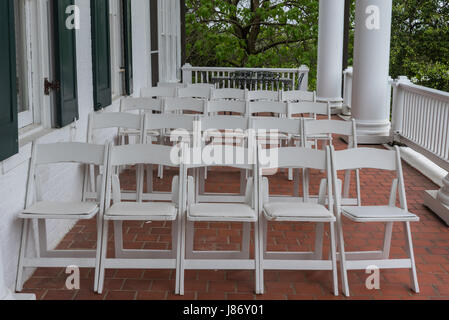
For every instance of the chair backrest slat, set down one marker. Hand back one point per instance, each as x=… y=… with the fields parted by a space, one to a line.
x=255 y=107
x=106 y=120
x=291 y=126
x=158 y=92
x=298 y=95
x=313 y=127
x=142 y=154
x=262 y=95
x=69 y=152
x=293 y=157
x=223 y=123
x=306 y=107
x=220 y=156
x=228 y=93
x=184 y=105
x=216 y=106
x=141 y=104
x=368 y=158
x=170 y=121
x=195 y=92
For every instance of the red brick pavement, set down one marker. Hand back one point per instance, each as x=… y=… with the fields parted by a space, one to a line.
x=430 y=235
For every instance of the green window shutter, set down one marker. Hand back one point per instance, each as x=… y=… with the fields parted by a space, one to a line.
x=127 y=30
x=65 y=65
x=8 y=91
x=101 y=54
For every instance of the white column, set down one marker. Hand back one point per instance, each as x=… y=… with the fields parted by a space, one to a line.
x=443 y=194
x=5 y=293
x=371 y=90
x=330 y=49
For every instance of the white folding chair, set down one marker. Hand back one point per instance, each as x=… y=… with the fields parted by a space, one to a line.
x=172 y=126
x=195 y=92
x=158 y=92
x=122 y=122
x=311 y=110
x=262 y=95
x=229 y=94
x=277 y=132
x=314 y=128
x=40 y=209
x=222 y=130
x=142 y=106
x=298 y=96
x=220 y=212
x=381 y=160
x=121 y=211
x=297 y=211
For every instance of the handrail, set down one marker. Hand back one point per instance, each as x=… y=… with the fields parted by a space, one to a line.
x=421 y=120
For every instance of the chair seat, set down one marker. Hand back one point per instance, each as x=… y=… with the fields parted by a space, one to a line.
x=48 y=208
x=297 y=211
x=164 y=211
x=377 y=214
x=221 y=212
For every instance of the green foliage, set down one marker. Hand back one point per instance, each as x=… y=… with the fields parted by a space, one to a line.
x=420 y=42
x=252 y=33
x=284 y=33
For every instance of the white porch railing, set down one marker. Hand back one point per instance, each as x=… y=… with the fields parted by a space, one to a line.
x=421 y=121
x=248 y=78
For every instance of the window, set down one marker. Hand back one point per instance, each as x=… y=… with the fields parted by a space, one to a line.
x=154 y=35
x=117 y=48
x=170 y=40
x=23 y=63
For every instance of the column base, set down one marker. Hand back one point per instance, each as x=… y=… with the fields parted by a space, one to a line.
x=10 y=296
x=440 y=209
x=373 y=132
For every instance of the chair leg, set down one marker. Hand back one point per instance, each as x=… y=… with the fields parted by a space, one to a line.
x=263 y=229
x=22 y=252
x=387 y=240
x=290 y=174
x=182 y=255
x=344 y=271
x=178 y=227
x=347 y=184
x=257 y=257
x=334 y=258
x=160 y=173
x=104 y=250
x=150 y=179
x=118 y=238
x=409 y=244
x=319 y=230
x=98 y=252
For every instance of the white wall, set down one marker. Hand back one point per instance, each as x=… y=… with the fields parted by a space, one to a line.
x=63 y=182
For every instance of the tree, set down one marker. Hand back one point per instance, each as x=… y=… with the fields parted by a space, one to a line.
x=252 y=33
x=420 y=42
x=284 y=33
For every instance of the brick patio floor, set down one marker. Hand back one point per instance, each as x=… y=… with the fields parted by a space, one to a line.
x=430 y=235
